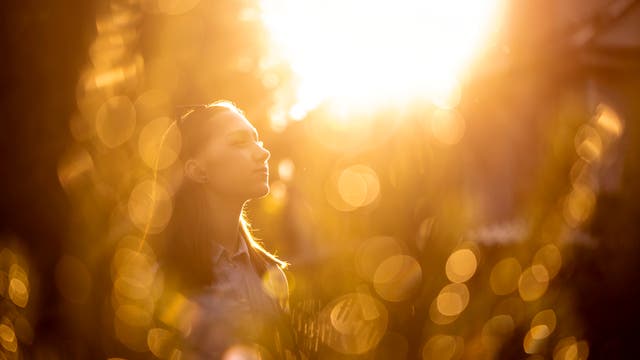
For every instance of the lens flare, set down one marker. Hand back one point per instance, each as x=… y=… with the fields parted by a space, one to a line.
x=374 y=52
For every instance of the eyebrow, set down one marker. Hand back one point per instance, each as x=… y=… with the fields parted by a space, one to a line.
x=251 y=133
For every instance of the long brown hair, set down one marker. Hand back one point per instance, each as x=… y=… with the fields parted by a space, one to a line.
x=187 y=252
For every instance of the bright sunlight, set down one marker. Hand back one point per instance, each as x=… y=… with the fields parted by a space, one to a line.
x=365 y=52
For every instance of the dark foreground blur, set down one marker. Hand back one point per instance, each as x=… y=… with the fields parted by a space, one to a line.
x=503 y=228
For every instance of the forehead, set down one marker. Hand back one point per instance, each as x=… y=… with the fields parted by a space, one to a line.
x=229 y=122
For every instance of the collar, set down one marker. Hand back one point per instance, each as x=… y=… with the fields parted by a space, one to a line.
x=219 y=251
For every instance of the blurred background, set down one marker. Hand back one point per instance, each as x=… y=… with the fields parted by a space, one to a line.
x=450 y=179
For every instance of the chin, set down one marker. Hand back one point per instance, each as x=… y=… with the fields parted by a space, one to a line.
x=262 y=192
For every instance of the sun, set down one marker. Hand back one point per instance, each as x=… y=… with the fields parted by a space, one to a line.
x=367 y=52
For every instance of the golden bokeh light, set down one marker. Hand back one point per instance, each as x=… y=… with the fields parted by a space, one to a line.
x=534 y=340
x=609 y=121
x=437 y=317
x=550 y=257
x=447 y=98
x=447 y=126
x=504 y=276
x=422 y=51
x=274 y=282
x=73 y=279
x=115 y=121
x=397 y=278
x=179 y=313
x=333 y=195
x=7 y=336
x=545 y=318
x=298 y=112
x=161 y=342
x=153 y=104
x=496 y=331
x=108 y=80
x=372 y=252
x=18 y=286
x=109 y=48
x=443 y=347
x=343 y=128
x=579 y=205
x=569 y=348
x=134 y=274
x=581 y=173
x=23 y=329
x=134 y=315
x=277 y=198
x=358 y=322
x=150 y=206
x=127 y=329
x=533 y=282
x=242 y=352
x=159 y=143
x=278 y=120
x=73 y=166
x=175 y=7
x=453 y=299
x=512 y=306
x=461 y=265
x=286 y=168
x=588 y=144
x=358 y=185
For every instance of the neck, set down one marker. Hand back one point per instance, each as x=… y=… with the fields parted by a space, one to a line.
x=225 y=221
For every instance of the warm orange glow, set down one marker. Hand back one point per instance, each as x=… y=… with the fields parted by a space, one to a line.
x=353 y=187
x=461 y=265
x=373 y=252
x=350 y=316
x=375 y=51
x=150 y=206
x=18 y=286
x=588 y=143
x=72 y=166
x=8 y=337
x=275 y=284
x=579 y=205
x=545 y=321
x=115 y=121
x=497 y=330
x=447 y=126
x=286 y=168
x=437 y=317
x=443 y=347
x=160 y=342
x=358 y=185
x=505 y=275
x=549 y=256
x=533 y=283
x=609 y=121
x=397 y=278
x=159 y=143
x=569 y=348
x=534 y=339
x=453 y=299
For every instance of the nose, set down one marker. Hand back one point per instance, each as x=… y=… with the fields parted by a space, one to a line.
x=262 y=154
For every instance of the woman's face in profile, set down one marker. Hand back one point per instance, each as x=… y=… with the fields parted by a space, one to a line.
x=234 y=160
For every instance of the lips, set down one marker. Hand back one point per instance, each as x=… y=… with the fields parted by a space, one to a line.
x=262 y=170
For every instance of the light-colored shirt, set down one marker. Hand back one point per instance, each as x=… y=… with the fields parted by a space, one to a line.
x=242 y=306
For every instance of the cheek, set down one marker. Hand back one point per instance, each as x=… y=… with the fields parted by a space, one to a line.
x=226 y=168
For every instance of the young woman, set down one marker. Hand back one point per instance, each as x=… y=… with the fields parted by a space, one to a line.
x=238 y=288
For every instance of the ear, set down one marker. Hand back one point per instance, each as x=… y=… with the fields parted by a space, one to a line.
x=194 y=171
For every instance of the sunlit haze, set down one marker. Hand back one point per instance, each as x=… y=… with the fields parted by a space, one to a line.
x=366 y=52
